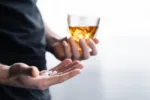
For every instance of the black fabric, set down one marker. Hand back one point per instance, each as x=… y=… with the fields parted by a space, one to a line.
x=22 y=39
x=13 y=93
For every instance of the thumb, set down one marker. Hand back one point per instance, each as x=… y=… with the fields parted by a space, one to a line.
x=34 y=71
x=21 y=68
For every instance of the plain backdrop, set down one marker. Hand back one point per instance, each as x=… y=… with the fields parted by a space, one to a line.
x=121 y=70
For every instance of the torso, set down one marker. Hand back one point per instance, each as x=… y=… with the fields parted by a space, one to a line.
x=22 y=36
x=22 y=39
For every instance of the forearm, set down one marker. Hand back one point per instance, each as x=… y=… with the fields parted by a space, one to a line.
x=51 y=37
x=4 y=73
x=54 y=43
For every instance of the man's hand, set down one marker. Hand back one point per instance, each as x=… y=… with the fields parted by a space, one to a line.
x=24 y=76
x=67 y=48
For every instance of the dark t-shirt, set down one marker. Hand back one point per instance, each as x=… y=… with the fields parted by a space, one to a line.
x=22 y=39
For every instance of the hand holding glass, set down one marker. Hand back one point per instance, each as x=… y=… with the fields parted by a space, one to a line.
x=83 y=27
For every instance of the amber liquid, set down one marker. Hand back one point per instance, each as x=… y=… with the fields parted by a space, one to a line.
x=82 y=32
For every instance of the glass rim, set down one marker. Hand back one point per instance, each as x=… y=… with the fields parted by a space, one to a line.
x=88 y=17
x=84 y=16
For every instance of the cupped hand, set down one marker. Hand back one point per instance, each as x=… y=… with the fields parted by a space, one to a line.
x=24 y=76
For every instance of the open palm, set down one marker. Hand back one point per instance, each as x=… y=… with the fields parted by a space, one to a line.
x=24 y=76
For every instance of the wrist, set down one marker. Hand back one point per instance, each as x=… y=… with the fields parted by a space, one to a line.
x=51 y=41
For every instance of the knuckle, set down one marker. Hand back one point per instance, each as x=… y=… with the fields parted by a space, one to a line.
x=68 y=55
x=86 y=57
x=76 y=62
x=20 y=65
x=60 y=56
x=17 y=64
x=94 y=53
x=76 y=57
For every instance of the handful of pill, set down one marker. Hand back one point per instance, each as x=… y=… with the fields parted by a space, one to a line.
x=49 y=73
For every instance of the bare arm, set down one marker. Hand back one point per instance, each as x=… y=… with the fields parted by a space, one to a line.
x=54 y=43
x=51 y=37
x=24 y=76
x=4 y=72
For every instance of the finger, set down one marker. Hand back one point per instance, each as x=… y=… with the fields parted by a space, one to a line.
x=61 y=65
x=92 y=45
x=63 y=77
x=34 y=71
x=20 y=68
x=20 y=65
x=27 y=70
x=66 y=49
x=30 y=71
x=74 y=49
x=77 y=66
x=96 y=40
x=84 y=47
x=69 y=66
x=64 y=68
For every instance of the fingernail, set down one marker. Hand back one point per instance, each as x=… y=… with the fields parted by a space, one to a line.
x=80 y=71
x=65 y=43
x=81 y=40
x=90 y=41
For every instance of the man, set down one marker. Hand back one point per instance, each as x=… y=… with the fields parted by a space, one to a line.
x=24 y=39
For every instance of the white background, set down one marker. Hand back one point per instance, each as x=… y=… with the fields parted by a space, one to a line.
x=121 y=70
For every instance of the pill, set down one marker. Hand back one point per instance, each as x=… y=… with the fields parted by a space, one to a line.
x=45 y=74
x=53 y=73
x=49 y=73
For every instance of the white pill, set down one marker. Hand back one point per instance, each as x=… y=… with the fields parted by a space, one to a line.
x=53 y=73
x=45 y=74
x=50 y=72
